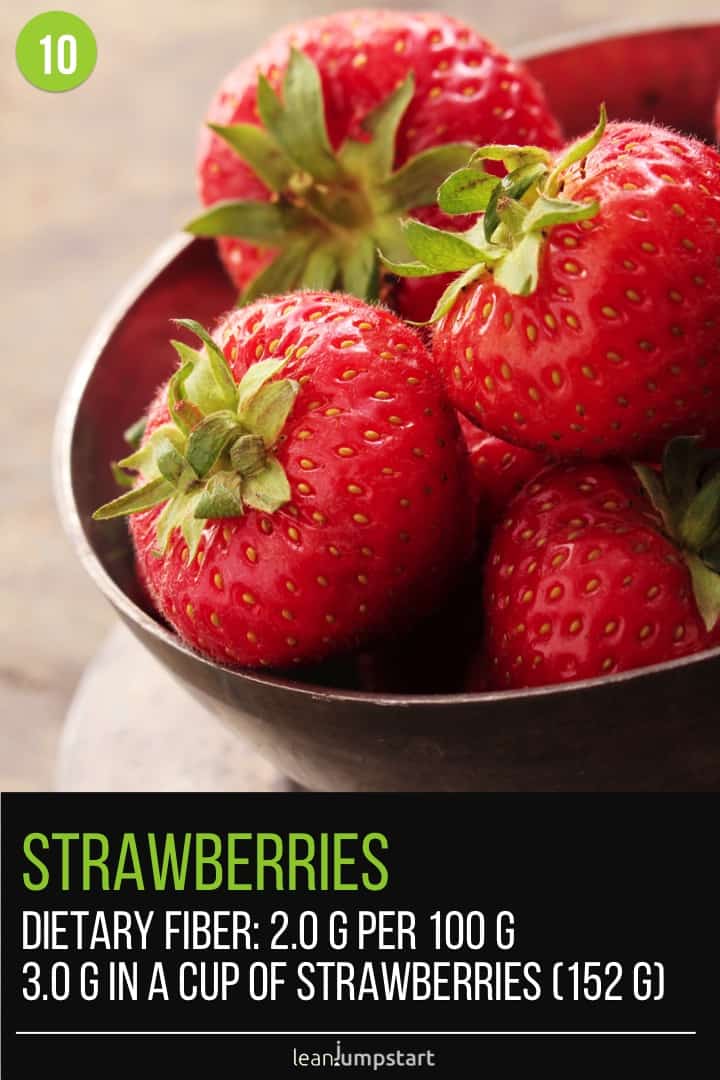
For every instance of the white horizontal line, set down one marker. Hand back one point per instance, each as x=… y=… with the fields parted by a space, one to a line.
x=303 y=1034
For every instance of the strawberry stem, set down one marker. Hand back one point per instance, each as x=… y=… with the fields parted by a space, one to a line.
x=215 y=456
x=686 y=494
x=326 y=205
x=519 y=209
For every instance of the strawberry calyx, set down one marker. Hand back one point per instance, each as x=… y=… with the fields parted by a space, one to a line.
x=215 y=456
x=686 y=494
x=330 y=211
x=518 y=211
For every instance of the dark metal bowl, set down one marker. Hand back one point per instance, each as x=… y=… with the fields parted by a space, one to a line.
x=657 y=729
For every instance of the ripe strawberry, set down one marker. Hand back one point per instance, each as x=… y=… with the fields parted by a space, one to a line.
x=305 y=483
x=717 y=118
x=499 y=469
x=587 y=320
x=303 y=192
x=588 y=576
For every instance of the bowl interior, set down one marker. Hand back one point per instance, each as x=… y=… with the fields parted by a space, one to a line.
x=135 y=357
x=668 y=74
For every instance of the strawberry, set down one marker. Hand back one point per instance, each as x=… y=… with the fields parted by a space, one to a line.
x=304 y=483
x=599 y=568
x=587 y=319
x=717 y=118
x=297 y=160
x=499 y=469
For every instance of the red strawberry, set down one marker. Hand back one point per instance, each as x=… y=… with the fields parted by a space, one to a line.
x=586 y=576
x=391 y=86
x=588 y=317
x=717 y=118
x=282 y=519
x=499 y=469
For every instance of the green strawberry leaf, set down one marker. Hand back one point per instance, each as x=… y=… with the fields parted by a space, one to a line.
x=267 y=489
x=504 y=203
x=143 y=460
x=225 y=389
x=122 y=478
x=520 y=180
x=209 y=439
x=512 y=157
x=133 y=435
x=264 y=223
x=576 y=152
x=221 y=498
x=142 y=498
x=359 y=270
x=268 y=411
x=191 y=527
x=655 y=490
x=680 y=472
x=247 y=454
x=687 y=495
x=298 y=123
x=443 y=251
x=254 y=379
x=706 y=587
x=417 y=182
x=186 y=353
x=547 y=212
x=170 y=462
x=711 y=554
x=377 y=156
x=282 y=275
x=518 y=271
x=455 y=289
x=701 y=518
x=185 y=414
x=467 y=191
x=321 y=269
x=260 y=151
x=389 y=236
x=269 y=105
x=200 y=386
x=178 y=514
x=409 y=269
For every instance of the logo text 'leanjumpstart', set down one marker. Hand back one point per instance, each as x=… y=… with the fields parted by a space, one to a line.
x=378 y=1059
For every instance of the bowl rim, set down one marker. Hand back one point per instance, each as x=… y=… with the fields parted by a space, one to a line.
x=106 y=326
x=607 y=30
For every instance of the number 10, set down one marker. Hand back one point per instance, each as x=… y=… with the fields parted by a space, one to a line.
x=65 y=54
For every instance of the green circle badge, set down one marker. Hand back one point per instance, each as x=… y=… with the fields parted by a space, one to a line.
x=56 y=51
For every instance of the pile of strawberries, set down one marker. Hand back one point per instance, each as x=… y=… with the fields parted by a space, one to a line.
x=472 y=385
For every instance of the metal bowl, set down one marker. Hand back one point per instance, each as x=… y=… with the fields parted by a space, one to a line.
x=655 y=729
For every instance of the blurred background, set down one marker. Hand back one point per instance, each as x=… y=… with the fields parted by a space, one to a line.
x=93 y=180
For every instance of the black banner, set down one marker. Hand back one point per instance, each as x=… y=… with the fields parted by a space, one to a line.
x=322 y=927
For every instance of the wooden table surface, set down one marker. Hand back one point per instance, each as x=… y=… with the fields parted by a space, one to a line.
x=92 y=181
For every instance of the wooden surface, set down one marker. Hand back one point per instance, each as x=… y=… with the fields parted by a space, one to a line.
x=92 y=181
x=149 y=734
